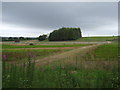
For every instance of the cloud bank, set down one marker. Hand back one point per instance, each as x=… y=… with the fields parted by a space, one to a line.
x=35 y=18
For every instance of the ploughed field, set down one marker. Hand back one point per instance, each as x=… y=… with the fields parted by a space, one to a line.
x=60 y=65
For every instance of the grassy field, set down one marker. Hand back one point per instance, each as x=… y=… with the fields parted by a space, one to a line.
x=107 y=51
x=96 y=39
x=88 y=67
x=5 y=46
x=23 y=54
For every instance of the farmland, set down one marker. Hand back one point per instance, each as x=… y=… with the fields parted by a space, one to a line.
x=67 y=64
x=96 y=39
x=42 y=46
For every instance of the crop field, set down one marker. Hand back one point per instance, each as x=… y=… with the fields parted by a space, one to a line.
x=60 y=65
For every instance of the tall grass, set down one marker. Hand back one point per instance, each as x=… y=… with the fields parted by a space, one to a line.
x=28 y=75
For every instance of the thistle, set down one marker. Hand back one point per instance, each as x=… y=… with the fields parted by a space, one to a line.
x=4 y=57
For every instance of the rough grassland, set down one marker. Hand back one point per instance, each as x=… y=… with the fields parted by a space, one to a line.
x=107 y=51
x=5 y=46
x=23 y=54
x=74 y=69
x=96 y=39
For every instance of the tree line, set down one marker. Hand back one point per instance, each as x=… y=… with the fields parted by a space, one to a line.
x=16 y=38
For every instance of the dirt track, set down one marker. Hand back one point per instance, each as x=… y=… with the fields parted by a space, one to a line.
x=81 y=50
x=68 y=58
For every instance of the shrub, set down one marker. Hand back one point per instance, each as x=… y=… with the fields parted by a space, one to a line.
x=31 y=44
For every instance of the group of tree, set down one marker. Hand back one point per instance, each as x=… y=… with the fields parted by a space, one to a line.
x=17 y=38
x=42 y=37
x=63 y=34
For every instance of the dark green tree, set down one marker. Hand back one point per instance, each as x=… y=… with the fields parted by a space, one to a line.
x=15 y=38
x=10 y=38
x=21 y=38
x=42 y=37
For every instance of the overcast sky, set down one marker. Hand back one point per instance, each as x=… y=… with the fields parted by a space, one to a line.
x=31 y=19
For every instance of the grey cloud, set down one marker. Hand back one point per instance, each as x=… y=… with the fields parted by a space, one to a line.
x=53 y=15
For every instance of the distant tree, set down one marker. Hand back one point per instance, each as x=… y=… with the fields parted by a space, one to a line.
x=15 y=38
x=27 y=38
x=5 y=39
x=10 y=38
x=42 y=37
x=21 y=38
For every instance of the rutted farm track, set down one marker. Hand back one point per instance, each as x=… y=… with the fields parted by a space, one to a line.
x=80 y=51
x=69 y=58
x=72 y=51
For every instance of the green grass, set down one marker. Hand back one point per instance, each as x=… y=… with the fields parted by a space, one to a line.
x=28 y=76
x=96 y=39
x=4 y=46
x=107 y=51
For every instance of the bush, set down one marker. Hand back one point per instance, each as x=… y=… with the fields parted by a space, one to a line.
x=21 y=38
x=31 y=44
